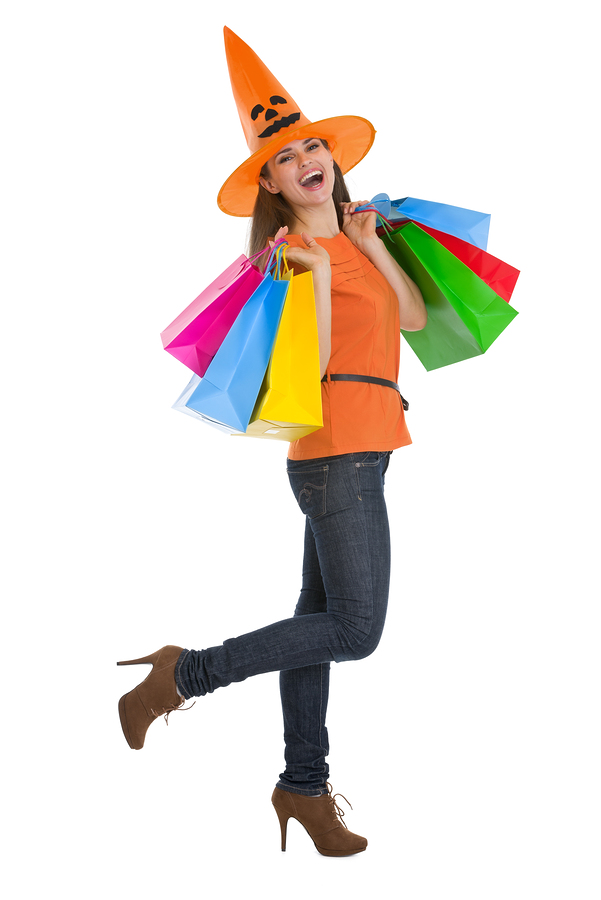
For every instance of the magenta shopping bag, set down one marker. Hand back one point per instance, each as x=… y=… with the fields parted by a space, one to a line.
x=227 y=394
x=198 y=332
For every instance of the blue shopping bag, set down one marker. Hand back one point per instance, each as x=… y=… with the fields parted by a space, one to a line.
x=227 y=393
x=466 y=224
x=181 y=405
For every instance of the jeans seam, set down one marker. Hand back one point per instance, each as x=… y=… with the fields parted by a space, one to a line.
x=321 y=717
x=371 y=591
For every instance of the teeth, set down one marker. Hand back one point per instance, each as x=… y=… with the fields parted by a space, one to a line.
x=309 y=175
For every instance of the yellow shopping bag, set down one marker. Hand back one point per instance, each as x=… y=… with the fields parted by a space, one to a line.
x=289 y=402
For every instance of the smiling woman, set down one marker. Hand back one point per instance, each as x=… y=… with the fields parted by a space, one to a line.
x=307 y=163
x=295 y=183
x=272 y=210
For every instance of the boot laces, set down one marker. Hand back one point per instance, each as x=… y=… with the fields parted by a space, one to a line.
x=335 y=807
x=166 y=711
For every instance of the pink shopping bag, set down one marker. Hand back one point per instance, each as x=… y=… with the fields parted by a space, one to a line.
x=197 y=333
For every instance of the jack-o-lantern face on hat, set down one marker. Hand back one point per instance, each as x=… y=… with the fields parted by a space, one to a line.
x=270 y=113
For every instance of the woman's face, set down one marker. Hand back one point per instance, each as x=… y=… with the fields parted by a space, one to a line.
x=303 y=171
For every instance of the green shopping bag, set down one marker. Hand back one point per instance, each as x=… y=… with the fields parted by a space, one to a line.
x=465 y=315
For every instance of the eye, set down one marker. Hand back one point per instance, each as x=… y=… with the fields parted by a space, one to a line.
x=313 y=146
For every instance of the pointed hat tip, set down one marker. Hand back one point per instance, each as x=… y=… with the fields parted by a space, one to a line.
x=230 y=38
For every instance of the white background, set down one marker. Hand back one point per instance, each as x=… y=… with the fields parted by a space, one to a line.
x=469 y=743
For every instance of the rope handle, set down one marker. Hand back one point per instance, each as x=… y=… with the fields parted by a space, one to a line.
x=260 y=253
x=387 y=224
x=280 y=263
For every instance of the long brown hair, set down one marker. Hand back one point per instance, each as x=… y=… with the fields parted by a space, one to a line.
x=272 y=211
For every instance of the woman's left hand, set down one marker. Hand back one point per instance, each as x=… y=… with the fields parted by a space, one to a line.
x=360 y=228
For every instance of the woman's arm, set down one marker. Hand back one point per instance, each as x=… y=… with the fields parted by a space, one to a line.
x=361 y=230
x=317 y=261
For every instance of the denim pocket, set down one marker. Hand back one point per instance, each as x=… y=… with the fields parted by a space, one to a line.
x=309 y=488
x=371 y=458
x=369 y=462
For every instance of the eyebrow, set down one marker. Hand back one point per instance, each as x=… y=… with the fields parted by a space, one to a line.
x=289 y=149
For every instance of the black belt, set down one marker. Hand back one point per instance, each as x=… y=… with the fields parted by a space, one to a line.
x=370 y=379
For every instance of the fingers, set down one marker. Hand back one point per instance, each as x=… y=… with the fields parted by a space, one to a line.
x=349 y=208
x=278 y=237
x=312 y=257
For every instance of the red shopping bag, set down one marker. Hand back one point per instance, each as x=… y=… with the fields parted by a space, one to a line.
x=498 y=275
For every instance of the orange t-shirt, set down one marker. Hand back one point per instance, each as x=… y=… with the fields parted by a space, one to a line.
x=366 y=340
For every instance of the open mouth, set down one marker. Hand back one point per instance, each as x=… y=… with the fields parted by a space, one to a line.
x=312 y=180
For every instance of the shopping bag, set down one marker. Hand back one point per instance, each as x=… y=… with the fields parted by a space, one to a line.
x=228 y=391
x=465 y=315
x=467 y=224
x=196 y=334
x=498 y=275
x=181 y=405
x=289 y=402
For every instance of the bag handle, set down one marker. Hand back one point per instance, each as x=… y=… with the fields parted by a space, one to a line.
x=388 y=225
x=274 y=257
x=278 y=259
x=283 y=267
x=260 y=253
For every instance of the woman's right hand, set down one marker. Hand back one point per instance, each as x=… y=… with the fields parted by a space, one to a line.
x=312 y=256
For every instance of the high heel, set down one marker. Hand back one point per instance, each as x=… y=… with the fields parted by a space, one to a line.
x=321 y=817
x=283 y=817
x=151 y=658
x=155 y=696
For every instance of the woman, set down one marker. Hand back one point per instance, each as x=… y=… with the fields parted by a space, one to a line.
x=337 y=474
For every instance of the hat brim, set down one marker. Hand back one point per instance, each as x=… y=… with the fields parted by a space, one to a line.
x=349 y=139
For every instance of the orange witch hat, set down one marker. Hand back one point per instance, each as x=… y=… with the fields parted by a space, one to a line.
x=270 y=119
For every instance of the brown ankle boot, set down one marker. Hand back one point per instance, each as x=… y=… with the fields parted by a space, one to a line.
x=321 y=818
x=155 y=696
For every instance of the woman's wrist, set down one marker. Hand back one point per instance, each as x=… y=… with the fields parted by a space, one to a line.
x=322 y=270
x=370 y=246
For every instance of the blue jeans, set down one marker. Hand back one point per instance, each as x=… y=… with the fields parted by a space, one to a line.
x=339 y=616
